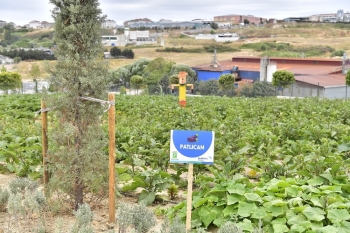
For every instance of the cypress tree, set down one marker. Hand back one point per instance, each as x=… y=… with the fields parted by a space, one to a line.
x=77 y=158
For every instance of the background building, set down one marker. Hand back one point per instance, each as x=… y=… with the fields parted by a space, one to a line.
x=314 y=77
x=109 y=24
x=2 y=23
x=238 y=19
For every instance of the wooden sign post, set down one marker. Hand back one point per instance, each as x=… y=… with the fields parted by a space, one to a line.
x=192 y=147
x=181 y=143
x=44 y=130
x=189 y=197
x=111 y=150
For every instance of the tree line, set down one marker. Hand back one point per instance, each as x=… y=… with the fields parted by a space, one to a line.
x=117 y=52
x=31 y=54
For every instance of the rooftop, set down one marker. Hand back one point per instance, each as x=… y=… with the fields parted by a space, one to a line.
x=316 y=71
x=326 y=80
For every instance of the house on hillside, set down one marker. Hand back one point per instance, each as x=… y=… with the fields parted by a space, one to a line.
x=315 y=77
x=109 y=24
x=34 y=24
x=2 y=23
x=45 y=24
x=37 y=24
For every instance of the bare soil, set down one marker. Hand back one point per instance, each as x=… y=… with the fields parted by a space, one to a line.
x=64 y=222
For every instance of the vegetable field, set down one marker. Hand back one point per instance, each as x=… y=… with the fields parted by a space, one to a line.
x=280 y=163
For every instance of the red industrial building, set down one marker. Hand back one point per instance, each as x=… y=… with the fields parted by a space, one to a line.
x=314 y=76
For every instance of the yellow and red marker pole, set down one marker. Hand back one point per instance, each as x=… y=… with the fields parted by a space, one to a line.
x=182 y=88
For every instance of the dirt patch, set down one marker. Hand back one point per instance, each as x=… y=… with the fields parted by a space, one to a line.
x=5 y=179
x=65 y=221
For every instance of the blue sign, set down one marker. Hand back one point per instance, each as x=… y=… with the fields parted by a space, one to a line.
x=188 y=146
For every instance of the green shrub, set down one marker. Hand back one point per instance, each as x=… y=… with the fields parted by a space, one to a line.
x=219 y=48
x=338 y=53
x=4 y=197
x=17 y=60
x=176 y=226
x=230 y=227
x=136 y=216
x=21 y=185
x=122 y=90
x=84 y=217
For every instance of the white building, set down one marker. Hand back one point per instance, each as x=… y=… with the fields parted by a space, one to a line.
x=45 y=24
x=109 y=24
x=2 y=23
x=109 y=40
x=139 y=35
x=34 y=24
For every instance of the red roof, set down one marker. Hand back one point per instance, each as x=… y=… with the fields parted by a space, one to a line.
x=325 y=80
x=316 y=71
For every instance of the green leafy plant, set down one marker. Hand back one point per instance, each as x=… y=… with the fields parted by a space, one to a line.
x=152 y=181
x=173 y=191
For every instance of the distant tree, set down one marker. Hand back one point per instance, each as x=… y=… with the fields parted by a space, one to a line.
x=128 y=53
x=214 y=25
x=246 y=21
x=155 y=71
x=17 y=60
x=174 y=79
x=9 y=80
x=282 y=78
x=263 y=47
x=347 y=78
x=177 y=68
x=3 y=43
x=30 y=54
x=123 y=74
x=136 y=81
x=226 y=82
x=210 y=87
x=115 y=52
x=7 y=35
x=35 y=71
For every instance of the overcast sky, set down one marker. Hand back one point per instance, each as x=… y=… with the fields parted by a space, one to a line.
x=21 y=12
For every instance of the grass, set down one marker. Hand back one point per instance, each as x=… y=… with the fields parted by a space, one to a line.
x=24 y=67
x=36 y=33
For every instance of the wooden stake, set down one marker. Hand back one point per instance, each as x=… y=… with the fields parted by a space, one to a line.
x=111 y=130
x=189 y=197
x=44 y=141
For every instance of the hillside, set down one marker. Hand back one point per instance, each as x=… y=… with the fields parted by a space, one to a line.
x=297 y=37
